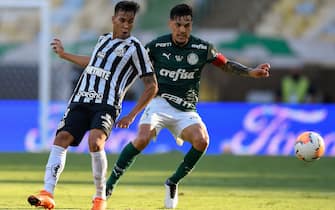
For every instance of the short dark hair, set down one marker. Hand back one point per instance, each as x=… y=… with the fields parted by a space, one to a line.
x=127 y=6
x=181 y=10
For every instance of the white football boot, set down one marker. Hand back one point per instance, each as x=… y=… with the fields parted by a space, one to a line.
x=171 y=195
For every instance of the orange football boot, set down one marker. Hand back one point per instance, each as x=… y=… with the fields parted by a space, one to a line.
x=42 y=199
x=99 y=204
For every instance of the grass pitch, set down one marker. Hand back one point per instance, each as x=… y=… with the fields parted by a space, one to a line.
x=218 y=182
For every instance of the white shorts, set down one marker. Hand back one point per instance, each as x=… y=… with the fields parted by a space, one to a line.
x=160 y=114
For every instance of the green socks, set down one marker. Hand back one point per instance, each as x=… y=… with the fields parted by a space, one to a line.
x=190 y=159
x=126 y=158
x=129 y=154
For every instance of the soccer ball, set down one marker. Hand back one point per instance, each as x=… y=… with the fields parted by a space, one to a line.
x=309 y=146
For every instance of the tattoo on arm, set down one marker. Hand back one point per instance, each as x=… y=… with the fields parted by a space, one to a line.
x=149 y=79
x=236 y=68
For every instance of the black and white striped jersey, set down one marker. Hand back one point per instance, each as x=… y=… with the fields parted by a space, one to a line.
x=114 y=66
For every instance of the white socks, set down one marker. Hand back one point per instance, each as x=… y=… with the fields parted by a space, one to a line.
x=54 y=167
x=99 y=168
x=56 y=163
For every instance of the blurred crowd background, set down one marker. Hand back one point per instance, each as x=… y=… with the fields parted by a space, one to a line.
x=297 y=37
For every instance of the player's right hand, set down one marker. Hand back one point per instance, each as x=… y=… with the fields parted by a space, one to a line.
x=262 y=70
x=57 y=47
x=125 y=122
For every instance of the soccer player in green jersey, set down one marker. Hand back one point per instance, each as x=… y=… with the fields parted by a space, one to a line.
x=178 y=59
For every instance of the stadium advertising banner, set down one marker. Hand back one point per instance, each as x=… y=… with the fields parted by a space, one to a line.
x=236 y=128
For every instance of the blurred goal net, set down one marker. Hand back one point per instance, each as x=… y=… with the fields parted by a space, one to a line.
x=24 y=54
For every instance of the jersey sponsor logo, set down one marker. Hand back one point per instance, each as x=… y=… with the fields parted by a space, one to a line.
x=163 y=44
x=192 y=58
x=101 y=54
x=177 y=100
x=98 y=72
x=179 y=58
x=199 y=46
x=166 y=55
x=90 y=95
x=176 y=75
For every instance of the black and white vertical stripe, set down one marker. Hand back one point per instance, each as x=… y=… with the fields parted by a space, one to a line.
x=122 y=60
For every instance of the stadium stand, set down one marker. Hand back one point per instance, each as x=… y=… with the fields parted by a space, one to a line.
x=230 y=14
x=63 y=13
x=76 y=19
x=262 y=23
x=86 y=24
x=324 y=26
x=14 y=27
x=299 y=19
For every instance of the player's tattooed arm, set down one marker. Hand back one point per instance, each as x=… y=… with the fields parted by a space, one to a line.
x=236 y=68
x=260 y=71
x=226 y=65
x=150 y=86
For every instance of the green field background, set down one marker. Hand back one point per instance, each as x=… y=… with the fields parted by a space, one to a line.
x=218 y=182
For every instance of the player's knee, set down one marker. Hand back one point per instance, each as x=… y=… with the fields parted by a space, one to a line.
x=96 y=140
x=201 y=143
x=63 y=139
x=96 y=145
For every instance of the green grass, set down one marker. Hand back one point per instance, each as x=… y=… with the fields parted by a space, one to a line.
x=218 y=182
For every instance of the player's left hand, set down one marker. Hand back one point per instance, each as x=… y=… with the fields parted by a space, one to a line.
x=124 y=122
x=260 y=71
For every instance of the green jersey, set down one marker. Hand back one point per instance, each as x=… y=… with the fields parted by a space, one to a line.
x=178 y=69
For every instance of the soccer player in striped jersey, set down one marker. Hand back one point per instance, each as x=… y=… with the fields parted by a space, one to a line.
x=178 y=59
x=117 y=60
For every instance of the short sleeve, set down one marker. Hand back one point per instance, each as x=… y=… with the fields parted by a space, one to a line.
x=212 y=53
x=149 y=49
x=141 y=60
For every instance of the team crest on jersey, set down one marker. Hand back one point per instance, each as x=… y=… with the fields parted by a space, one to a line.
x=120 y=52
x=192 y=58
